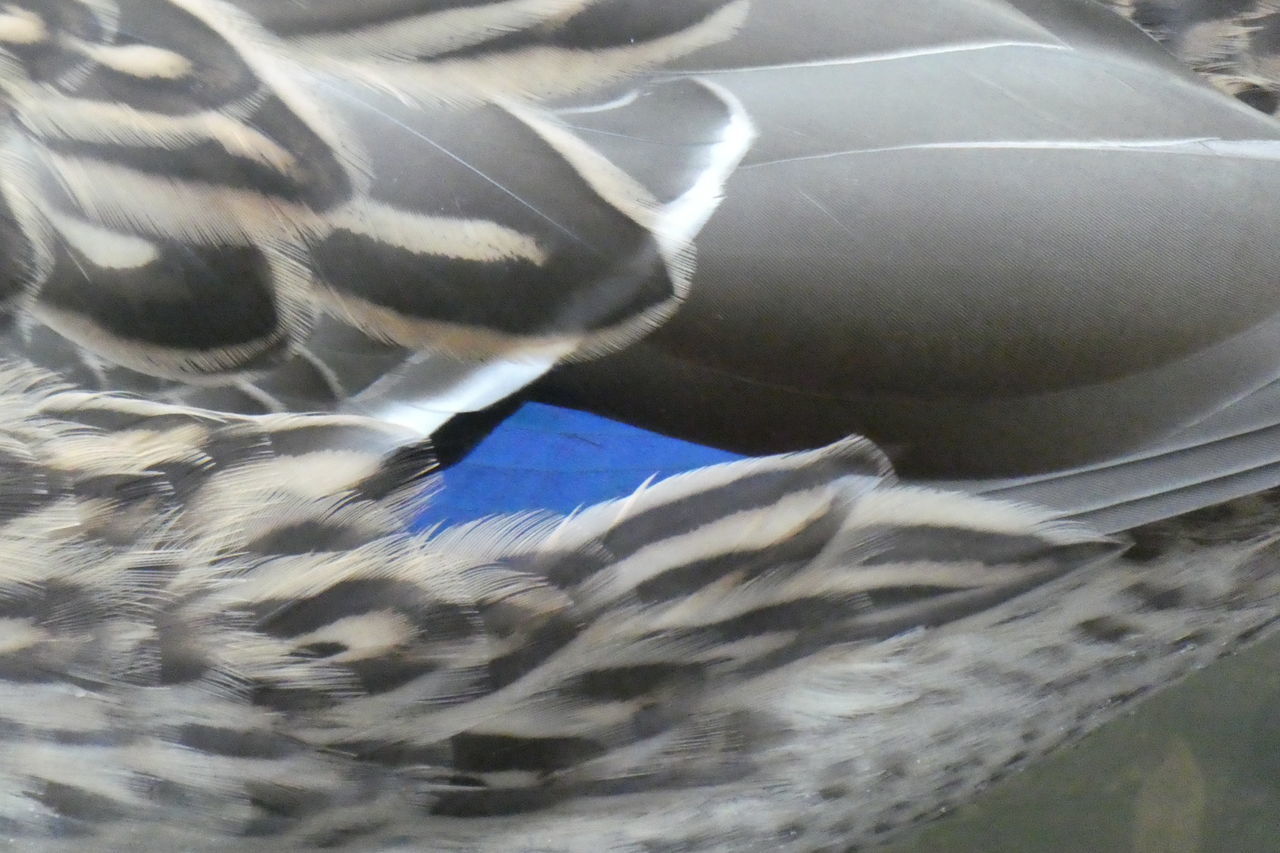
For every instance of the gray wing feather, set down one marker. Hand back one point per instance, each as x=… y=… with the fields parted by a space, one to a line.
x=1000 y=239
x=1229 y=455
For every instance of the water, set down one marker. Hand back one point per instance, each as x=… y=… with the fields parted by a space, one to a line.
x=1195 y=769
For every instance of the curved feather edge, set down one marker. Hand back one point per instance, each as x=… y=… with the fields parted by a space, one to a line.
x=204 y=142
x=1230 y=455
x=217 y=628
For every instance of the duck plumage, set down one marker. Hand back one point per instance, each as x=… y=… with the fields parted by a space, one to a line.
x=256 y=252
x=218 y=633
x=404 y=143
x=250 y=167
x=1233 y=44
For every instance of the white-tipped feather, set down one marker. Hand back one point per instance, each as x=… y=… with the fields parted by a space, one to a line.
x=219 y=631
x=719 y=646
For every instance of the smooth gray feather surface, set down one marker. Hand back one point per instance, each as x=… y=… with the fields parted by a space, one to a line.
x=1000 y=238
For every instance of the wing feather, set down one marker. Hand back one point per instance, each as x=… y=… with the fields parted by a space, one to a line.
x=156 y=554
x=328 y=172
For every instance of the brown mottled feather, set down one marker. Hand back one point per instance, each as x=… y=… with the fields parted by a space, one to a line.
x=217 y=631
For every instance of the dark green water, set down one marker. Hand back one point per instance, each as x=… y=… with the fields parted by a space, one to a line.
x=1196 y=769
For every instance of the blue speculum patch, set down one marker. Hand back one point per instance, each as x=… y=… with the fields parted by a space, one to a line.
x=546 y=457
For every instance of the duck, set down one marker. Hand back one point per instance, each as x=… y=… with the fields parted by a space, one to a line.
x=687 y=201
x=221 y=633
x=260 y=255
x=1001 y=275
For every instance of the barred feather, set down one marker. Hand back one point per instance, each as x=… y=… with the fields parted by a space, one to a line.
x=1235 y=44
x=413 y=208
x=217 y=632
x=341 y=184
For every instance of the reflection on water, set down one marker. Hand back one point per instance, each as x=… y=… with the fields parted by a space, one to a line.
x=1194 y=770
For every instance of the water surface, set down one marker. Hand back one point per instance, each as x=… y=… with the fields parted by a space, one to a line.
x=1194 y=769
